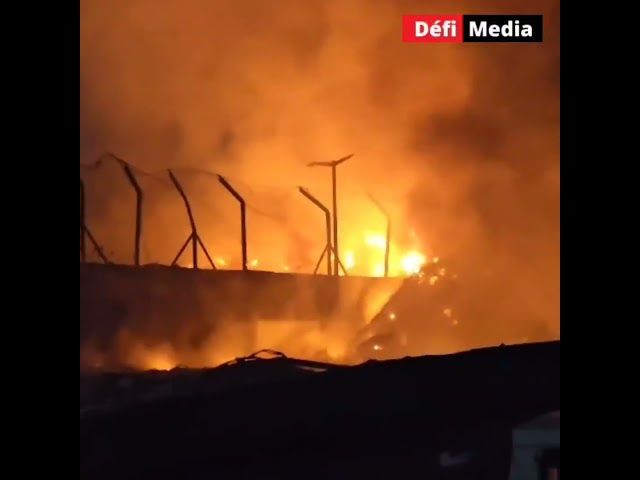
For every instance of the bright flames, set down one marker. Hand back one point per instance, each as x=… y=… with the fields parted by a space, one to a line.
x=365 y=257
x=368 y=258
x=361 y=254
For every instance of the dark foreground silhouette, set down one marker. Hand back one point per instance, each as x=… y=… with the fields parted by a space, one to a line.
x=433 y=417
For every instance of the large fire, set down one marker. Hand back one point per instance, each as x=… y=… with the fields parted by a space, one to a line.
x=365 y=257
x=256 y=93
x=361 y=255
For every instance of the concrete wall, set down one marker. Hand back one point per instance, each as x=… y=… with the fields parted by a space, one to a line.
x=179 y=307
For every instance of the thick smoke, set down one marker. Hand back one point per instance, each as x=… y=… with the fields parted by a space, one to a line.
x=460 y=142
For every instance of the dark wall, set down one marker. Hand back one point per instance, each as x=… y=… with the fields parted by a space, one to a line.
x=176 y=305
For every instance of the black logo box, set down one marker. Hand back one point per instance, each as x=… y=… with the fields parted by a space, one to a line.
x=535 y=21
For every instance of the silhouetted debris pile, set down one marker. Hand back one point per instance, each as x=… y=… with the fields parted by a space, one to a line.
x=101 y=391
x=398 y=419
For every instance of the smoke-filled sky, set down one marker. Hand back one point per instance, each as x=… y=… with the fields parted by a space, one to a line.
x=460 y=141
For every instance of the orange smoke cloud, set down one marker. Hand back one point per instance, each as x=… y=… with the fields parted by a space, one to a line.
x=458 y=142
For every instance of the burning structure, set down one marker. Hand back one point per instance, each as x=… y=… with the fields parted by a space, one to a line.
x=159 y=317
x=464 y=165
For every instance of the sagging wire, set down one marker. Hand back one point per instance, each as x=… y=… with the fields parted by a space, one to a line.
x=283 y=196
